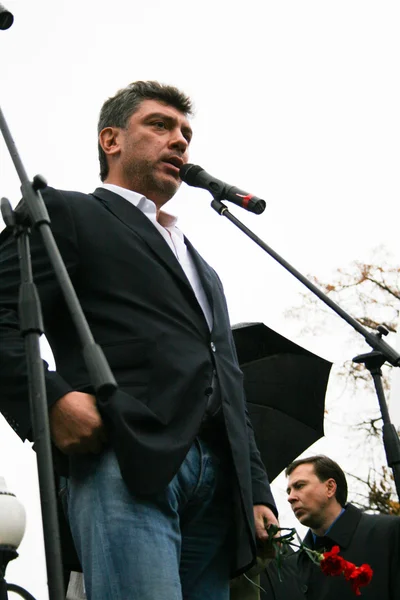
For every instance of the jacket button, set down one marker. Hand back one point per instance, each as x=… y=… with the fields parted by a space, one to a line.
x=212 y=346
x=304 y=588
x=208 y=391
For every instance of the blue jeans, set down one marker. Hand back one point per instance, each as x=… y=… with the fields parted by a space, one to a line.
x=174 y=545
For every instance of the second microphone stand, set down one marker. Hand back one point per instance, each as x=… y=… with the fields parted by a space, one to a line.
x=373 y=361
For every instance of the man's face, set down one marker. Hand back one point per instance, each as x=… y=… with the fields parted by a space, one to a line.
x=152 y=149
x=308 y=496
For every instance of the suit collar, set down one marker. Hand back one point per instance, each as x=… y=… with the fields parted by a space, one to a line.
x=145 y=205
x=342 y=530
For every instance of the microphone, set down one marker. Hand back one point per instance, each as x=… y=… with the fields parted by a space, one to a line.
x=6 y=18
x=197 y=177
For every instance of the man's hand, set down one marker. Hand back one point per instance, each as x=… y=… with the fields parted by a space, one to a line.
x=76 y=425
x=263 y=516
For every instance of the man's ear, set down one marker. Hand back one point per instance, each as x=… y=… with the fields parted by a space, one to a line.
x=331 y=487
x=109 y=140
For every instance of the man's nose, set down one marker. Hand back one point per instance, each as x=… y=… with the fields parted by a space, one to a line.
x=178 y=140
x=291 y=497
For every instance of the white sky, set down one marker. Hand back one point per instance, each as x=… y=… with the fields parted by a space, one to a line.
x=297 y=102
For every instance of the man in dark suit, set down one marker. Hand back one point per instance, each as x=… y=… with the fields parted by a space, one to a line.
x=317 y=492
x=164 y=489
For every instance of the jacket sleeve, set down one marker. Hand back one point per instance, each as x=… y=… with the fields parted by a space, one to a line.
x=14 y=395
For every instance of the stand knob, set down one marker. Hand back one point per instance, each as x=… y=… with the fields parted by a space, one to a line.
x=382 y=330
x=39 y=182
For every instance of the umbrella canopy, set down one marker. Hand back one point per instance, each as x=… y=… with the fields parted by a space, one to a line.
x=285 y=388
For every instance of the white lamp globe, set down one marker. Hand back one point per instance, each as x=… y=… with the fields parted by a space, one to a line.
x=12 y=518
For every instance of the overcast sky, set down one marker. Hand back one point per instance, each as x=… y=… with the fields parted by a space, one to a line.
x=296 y=101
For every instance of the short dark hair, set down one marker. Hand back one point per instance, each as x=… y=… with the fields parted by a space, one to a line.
x=116 y=111
x=325 y=468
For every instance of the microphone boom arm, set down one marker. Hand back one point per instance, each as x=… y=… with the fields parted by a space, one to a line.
x=381 y=352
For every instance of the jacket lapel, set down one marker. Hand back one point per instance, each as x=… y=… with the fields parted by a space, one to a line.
x=133 y=218
x=207 y=275
x=345 y=527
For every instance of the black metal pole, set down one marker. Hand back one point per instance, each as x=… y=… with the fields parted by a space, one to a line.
x=373 y=362
x=3 y=589
x=382 y=350
x=390 y=435
x=31 y=329
x=6 y=554
x=35 y=215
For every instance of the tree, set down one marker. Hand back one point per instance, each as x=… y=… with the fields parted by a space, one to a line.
x=380 y=493
x=370 y=292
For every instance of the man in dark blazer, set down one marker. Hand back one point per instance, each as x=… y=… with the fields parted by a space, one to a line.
x=317 y=492
x=164 y=487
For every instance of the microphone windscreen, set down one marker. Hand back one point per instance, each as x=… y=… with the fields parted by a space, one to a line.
x=189 y=172
x=6 y=18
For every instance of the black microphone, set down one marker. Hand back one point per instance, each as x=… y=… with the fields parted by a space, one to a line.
x=197 y=177
x=6 y=18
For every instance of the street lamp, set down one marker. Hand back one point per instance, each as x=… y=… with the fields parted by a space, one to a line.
x=12 y=529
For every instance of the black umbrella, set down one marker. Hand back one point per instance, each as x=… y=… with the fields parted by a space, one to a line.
x=285 y=388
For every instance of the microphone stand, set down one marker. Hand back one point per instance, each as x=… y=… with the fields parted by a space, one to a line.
x=373 y=361
x=31 y=329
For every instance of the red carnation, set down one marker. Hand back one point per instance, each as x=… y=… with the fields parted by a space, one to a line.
x=348 y=569
x=361 y=576
x=331 y=563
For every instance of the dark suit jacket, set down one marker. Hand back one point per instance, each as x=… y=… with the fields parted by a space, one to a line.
x=363 y=538
x=143 y=312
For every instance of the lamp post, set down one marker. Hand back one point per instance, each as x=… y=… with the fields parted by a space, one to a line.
x=12 y=529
